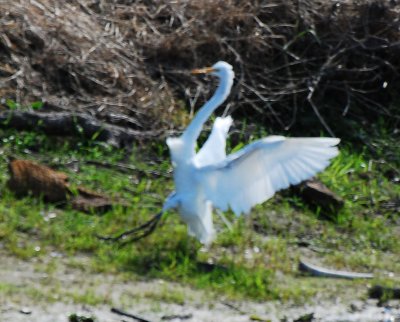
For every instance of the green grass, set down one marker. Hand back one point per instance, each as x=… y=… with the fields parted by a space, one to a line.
x=253 y=263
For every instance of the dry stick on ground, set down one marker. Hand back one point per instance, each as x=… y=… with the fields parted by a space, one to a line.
x=233 y=307
x=319 y=271
x=129 y=315
x=177 y=316
x=252 y=317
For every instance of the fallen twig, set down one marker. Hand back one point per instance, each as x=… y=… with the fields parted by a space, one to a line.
x=177 y=316
x=121 y=312
x=324 y=272
x=252 y=317
x=126 y=168
x=233 y=307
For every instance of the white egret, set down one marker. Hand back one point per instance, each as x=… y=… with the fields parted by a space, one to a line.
x=210 y=178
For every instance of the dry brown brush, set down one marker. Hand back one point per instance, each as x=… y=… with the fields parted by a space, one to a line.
x=298 y=63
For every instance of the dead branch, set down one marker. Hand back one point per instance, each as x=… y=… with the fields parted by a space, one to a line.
x=122 y=167
x=324 y=272
x=129 y=315
x=78 y=124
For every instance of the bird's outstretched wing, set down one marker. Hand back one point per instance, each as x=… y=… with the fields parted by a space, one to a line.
x=213 y=150
x=253 y=174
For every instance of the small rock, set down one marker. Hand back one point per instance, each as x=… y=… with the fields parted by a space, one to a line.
x=25 y=310
x=355 y=307
x=80 y=318
x=305 y=318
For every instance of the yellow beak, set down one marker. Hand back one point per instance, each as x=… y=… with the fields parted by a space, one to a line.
x=206 y=70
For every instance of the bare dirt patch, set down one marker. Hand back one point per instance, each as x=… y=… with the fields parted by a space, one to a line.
x=50 y=289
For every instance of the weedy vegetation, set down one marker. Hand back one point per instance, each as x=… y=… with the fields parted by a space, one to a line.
x=256 y=259
x=305 y=68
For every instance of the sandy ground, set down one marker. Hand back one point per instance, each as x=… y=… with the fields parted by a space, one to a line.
x=40 y=291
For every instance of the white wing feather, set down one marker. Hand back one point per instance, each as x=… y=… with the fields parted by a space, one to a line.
x=253 y=174
x=213 y=150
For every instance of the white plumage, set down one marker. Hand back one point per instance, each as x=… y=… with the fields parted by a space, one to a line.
x=240 y=180
x=213 y=150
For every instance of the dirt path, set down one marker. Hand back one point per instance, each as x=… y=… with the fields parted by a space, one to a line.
x=49 y=290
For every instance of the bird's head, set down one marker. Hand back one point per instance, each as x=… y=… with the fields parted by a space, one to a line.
x=221 y=69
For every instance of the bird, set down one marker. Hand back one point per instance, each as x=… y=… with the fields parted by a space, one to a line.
x=209 y=178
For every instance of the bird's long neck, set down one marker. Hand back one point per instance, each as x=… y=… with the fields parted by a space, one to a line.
x=193 y=131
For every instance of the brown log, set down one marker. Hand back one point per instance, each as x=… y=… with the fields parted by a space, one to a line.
x=316 y=194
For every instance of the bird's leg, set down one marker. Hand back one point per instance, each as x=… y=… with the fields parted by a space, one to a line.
x=138 y=232
x=224 y=219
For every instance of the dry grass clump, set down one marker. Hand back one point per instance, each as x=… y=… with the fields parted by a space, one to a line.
x=75 y=59
x=125 y=61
